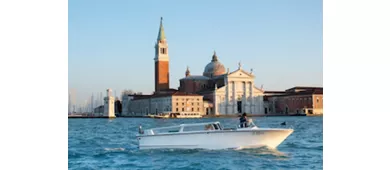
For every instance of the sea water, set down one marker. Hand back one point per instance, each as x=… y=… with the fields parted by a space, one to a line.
x=111 y=144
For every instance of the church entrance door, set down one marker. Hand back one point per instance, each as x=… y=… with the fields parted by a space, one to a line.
x=239 y=106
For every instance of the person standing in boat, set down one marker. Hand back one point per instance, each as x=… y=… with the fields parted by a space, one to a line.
x=243 y=120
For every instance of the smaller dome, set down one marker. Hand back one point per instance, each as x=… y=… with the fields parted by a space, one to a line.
x=214 y=68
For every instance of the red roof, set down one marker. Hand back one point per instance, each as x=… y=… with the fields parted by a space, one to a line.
x=292 y=92
x=303 y=88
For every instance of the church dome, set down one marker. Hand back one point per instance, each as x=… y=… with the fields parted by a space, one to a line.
x=214 y=68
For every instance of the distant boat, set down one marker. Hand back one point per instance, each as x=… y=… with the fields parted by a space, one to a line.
x=210 y=135
x=157 y=116
x=180 y=115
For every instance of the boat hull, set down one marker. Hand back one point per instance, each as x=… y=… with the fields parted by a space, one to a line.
x=223 y=139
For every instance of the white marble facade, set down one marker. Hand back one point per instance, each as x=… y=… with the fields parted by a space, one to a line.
x=239 y=86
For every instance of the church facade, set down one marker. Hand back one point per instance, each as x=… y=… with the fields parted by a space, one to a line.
x=220 y=92
x=229 y=93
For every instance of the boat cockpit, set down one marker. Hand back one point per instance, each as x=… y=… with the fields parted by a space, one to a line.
x=196 y=127
x=245 y=125
x=185 y=128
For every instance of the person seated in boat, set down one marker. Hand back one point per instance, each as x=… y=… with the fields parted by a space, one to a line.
x=208 y=127
x=243 y=120
x=250 y=122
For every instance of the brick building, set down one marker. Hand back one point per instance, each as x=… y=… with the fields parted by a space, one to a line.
x=296 y=100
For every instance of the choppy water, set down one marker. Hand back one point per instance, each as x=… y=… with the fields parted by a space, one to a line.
x=111 y=144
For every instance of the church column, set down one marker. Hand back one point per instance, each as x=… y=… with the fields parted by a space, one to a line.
x=247 y=95
x=216 y=104
x=234 y=97
x=243 y=98
x=261 y=111
x=251 y=97
x=227 y=96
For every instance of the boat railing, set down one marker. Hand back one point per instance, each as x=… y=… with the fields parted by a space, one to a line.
x=163 y=130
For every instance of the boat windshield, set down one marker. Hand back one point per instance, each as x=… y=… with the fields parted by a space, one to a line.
x=202 y=127
x=166 y=130
x=185 y=128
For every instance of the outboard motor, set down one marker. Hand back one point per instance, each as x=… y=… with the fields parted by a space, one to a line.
x=140 y=131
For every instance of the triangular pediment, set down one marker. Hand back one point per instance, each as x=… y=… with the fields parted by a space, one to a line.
x=240 y=74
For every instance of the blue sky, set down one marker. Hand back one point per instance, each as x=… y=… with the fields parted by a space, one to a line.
x=111 y=43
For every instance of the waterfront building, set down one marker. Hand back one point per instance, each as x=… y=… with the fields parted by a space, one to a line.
x=177 y=102
x=296 y=100
x=98 y=111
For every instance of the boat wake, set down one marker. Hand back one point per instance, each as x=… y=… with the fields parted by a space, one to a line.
x=262 y=151
x=255 y=151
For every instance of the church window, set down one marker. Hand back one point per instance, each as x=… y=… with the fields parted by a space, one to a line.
x=163 y=50
x=177 y=109
x=192 y=109
x=182 y=109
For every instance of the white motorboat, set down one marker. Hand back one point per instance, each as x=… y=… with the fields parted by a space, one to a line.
x=211 y=135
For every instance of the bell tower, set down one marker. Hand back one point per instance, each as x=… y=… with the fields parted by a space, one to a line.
x=161 y=62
